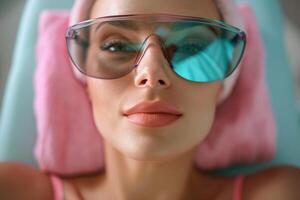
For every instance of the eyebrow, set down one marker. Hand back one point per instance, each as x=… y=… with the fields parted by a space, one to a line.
x=134 y=27
x=122 y=24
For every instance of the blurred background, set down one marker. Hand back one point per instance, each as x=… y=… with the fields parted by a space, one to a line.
x=11 y=12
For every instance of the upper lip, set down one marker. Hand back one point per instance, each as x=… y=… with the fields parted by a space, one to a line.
x=153 y=107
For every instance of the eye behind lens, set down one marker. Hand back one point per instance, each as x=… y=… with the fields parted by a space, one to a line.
x=119 y=47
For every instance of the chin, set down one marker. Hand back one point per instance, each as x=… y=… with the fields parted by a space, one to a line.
x=150 y=148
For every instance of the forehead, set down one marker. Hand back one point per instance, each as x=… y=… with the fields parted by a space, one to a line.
x=197 y=8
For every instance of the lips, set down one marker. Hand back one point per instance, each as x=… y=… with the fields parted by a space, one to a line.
x=152 y=114
x=153 y=107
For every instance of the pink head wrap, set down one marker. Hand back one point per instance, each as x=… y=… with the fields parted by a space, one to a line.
x=68 y=141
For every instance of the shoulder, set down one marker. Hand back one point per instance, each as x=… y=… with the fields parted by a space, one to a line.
x=21 y=181
x=275 y=183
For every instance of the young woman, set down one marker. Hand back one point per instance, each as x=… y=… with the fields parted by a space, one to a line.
x=133 y=63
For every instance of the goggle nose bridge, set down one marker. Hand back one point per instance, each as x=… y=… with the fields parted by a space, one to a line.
x=144 y=49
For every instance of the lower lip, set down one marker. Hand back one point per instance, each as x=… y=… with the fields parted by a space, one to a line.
x=152 y=119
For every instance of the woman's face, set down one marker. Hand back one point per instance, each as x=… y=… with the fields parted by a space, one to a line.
x=153 y=79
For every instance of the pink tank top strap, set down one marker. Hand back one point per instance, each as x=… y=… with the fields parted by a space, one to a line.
x=238 y=187
x=57 y=186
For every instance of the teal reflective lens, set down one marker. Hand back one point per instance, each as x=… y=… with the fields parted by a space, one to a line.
x=197 y=49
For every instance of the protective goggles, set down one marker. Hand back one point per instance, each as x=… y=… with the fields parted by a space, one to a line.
x=197 y=49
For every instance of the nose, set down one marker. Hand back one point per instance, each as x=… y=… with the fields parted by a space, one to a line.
x=152 y=65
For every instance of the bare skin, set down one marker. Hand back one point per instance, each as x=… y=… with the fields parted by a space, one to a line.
x=151 y=163
x=20 y=181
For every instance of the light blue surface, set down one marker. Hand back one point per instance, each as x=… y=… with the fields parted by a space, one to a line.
x=17 y=123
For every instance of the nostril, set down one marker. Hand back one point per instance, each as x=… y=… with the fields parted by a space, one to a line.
x=144 y=81
x=161 y=82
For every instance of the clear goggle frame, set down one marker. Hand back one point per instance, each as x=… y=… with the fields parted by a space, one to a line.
x=197 y=49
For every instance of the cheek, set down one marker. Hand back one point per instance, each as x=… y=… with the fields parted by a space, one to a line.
x=203 y=114
x=202 y=108
x=105 y=99
x=203 y=98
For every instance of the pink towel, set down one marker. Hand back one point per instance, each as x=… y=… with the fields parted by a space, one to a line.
x=68 y=142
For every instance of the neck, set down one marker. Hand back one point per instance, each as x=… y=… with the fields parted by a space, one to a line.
x=130 y=178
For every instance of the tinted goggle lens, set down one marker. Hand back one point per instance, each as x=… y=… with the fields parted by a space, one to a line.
x=196 y=51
